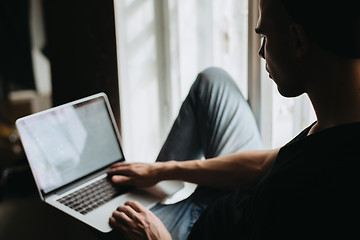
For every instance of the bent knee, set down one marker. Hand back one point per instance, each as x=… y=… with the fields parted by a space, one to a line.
x=215 y=78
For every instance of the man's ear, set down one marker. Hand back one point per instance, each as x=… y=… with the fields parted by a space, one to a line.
x=300 y=40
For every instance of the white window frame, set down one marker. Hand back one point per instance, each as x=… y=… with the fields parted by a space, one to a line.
x=166 y=29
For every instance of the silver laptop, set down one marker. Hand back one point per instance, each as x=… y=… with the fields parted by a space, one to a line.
x=69 y=149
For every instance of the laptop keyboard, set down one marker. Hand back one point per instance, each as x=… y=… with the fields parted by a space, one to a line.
x=92 y=196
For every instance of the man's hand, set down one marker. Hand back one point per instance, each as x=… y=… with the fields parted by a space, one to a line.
x=136 y=222
x=134 y=174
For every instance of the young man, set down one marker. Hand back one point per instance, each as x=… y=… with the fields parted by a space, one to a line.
x=307 y=189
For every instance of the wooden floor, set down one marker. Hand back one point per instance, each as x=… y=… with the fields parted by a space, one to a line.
x=24 y=216
x=29 y=218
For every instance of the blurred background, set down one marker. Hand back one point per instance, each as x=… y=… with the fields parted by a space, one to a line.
x=144 y=54
x=52 y=52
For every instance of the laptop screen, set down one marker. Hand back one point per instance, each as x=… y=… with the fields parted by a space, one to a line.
x=68 y=142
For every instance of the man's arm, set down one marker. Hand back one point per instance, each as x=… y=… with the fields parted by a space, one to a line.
x=243 y=169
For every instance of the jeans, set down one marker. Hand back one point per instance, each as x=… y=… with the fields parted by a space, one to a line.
x=214 y=120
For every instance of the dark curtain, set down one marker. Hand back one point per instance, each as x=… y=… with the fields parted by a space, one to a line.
x=15 y=50
x=81 y=48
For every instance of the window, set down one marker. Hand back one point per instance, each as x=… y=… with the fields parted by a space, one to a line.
x=163 y=44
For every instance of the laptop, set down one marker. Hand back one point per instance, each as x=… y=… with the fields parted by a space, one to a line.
x=69 y=149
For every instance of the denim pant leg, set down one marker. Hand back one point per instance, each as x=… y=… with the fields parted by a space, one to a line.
x=214 y=120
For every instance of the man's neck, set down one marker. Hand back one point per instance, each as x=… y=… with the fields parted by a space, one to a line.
x=336 y=97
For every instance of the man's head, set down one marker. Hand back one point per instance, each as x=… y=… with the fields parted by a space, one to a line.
x=333 y=25
x=297 y=34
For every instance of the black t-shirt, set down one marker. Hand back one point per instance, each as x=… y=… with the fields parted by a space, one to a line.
x=310 y=193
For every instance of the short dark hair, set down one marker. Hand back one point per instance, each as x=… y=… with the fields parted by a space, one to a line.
x=333 y=25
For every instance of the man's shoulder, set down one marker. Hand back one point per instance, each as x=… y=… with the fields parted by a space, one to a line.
x=339 y=140
x=322 y=164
